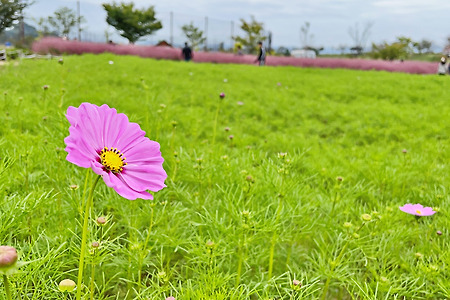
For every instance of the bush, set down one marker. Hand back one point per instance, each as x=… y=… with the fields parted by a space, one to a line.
x=388 y=51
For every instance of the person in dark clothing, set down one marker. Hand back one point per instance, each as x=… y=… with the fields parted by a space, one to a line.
x=187 y=52
x=261 y=54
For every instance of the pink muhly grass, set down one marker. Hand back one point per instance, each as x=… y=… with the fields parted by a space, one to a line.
x=58 y=46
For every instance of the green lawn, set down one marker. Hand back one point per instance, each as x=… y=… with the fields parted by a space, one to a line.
x=239 y=218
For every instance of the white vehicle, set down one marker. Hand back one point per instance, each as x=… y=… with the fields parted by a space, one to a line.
x=301 y=53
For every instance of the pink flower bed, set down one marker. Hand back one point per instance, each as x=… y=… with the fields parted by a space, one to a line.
x=58 y=46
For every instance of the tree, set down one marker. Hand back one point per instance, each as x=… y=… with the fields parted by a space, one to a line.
x=388 y=51
x=342 y=48
x=306 y=39
x=283 y=51
x=11 y=12
x=408 y=44
x=64 y=20
x=360 y=37
x=254 y=34
x=132 y=23
x=42 y=26
x=305 y=36
x=399 y=49
x=194 y=35
x=315 y=49
x=424 y=45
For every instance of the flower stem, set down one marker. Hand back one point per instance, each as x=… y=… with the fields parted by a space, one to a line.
x=215 y=125
x=89 y=204
x=241 y=259
x=144 y=250
x=336 y=263
x=86 y=180
x=274 y=238
x=7 y=289
x=92 y=281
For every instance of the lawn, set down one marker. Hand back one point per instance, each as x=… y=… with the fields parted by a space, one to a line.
x=287 y=188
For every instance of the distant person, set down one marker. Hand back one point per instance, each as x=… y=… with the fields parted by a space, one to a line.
x=442 y=68
x=187 y=52
x=239 y=50
x=448 y=63
x=261 y=54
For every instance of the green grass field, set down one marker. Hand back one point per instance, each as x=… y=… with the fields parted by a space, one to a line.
x=253 y=199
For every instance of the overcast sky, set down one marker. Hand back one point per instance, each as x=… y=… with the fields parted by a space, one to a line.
x=330 y=19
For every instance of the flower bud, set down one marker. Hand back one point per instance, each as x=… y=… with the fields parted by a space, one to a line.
x=67 y=285
x=245 y=213
x=95 y=244
x=348 y=224
x=8 y=257
x=101 y=220
x=61 y=61
x=366 y=217
x=45 y=87
x=210 y=244
x=282 y=154
x=439 y=232
x=339 y=178
x=222 y=95
x=296 y=282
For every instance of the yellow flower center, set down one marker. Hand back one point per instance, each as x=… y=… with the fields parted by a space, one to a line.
x=419 y=212
x=112 y=159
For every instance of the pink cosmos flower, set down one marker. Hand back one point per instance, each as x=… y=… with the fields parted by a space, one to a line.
x=417 y=210
x=104 y=140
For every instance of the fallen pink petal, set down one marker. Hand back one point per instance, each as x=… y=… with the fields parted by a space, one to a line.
x=417 y=210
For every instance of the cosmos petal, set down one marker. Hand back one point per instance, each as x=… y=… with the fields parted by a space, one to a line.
x=417 y=210
x=112 y=180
